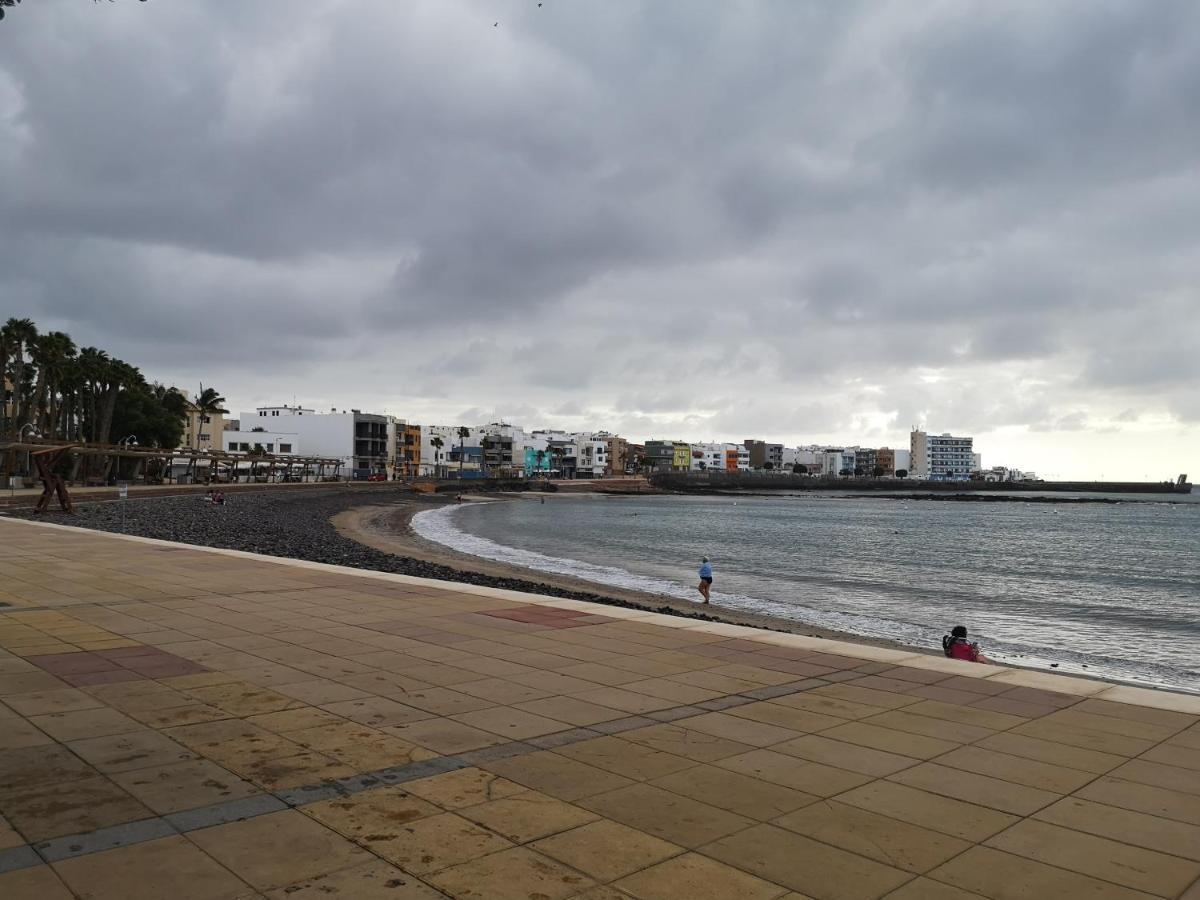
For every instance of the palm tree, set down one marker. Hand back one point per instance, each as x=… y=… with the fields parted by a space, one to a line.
x=463 y=433
x=437 y=444
x=541 y=458
x=207 y=403
x=21 y=333
x=51 y=354
x=93 y=364
x=6 y=350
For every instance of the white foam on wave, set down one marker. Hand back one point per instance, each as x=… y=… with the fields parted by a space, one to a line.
x=438 y=525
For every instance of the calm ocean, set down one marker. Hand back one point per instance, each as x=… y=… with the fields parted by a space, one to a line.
x=1112 y=591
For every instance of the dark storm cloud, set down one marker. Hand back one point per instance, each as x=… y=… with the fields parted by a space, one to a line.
x=975 y=215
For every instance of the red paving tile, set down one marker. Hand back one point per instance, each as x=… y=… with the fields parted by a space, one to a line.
x=87 y=679
x=76 y=663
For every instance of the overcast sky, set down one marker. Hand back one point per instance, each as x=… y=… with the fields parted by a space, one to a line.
x=700 y=220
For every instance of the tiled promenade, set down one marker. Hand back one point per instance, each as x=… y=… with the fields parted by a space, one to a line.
x=193 y=725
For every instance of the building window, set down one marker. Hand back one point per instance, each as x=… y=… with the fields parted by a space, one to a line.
x=205 y=419
x=203 y=436
x=285 y=448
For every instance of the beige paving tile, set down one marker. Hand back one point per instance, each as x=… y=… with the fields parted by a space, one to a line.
x=1113 y=724
x=773 y=713
x=516 y=874
x=183 y=785
x=1046 y=776
x=864 y=760
x=629 y=702
x=20 y=733
x=824 y=704
x=132 y=750
x=745 y=731
x=321 y=690
x=374 y=815
x=432 y=843
x=37 y=883
x=1085 y=738
x=1005 y=796
x=503 y=691
x=1174 y=755
x=1173 y=778
x=627 y=758
x=1144 y=798
x=1092 y=761
x=716 y=682
x=513 y=724
x=278 y=849
x=233 y=742
x=698 y=878
x=673 y=690
x=865 y=696
x=1003 y=876
x=746 y=796
x=926 y=889
x=172 y=716
x=243 y=699
x=307 y=767
x=85 y=723
x=671 y=817
x=465 y=787
x=46 y=702
x=928 y=726
x=375 y=711
x=883 y=839
x=606 y=850
x=168 y=867
x=294 y=719
x=805 y=865
x=78 y=806
x=794 y=772
x=571 y=710
x=557 y=775
x=1134 y=867
x=1136 y=713
x=445 y=736
x=957 y=818
x=527 y=816
x=371 y=881
x=1138 y=829
x=681 y=740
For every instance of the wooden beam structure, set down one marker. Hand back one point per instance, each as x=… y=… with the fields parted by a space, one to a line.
x=47 y=456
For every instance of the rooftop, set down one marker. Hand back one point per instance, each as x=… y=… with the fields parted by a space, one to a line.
x=203 y=724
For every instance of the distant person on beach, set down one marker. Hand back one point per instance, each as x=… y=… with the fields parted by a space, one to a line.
x=705 y=578
x=956 y=646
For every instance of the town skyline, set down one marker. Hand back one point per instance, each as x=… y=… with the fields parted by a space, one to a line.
x=801 y=221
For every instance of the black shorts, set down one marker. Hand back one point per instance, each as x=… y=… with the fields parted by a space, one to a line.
x=706 y=580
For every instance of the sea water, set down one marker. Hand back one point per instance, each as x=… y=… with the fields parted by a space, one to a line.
x=1108 y=590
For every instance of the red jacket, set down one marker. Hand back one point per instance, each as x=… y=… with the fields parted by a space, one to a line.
x=962 y=649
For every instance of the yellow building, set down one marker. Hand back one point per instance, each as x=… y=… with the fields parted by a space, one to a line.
x=203 y=432
x=681 y=460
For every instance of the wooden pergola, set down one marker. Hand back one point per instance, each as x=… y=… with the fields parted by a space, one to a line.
x=47 y=459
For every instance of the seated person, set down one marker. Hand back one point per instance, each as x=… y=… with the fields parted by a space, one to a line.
x=956 y=646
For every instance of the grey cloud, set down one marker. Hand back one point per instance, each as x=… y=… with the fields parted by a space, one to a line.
x=715 y=218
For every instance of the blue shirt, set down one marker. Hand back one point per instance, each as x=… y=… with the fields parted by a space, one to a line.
x=706 y=570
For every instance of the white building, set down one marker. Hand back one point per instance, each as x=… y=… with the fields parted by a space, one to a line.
x=358 y=440
x=838 y=462
x=940 y=457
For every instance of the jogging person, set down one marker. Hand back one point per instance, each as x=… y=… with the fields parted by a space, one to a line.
x=706 y=577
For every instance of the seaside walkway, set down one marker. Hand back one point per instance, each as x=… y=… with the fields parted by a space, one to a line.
x=196 y=724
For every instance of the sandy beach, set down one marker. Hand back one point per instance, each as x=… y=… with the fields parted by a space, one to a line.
x=386 y=528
